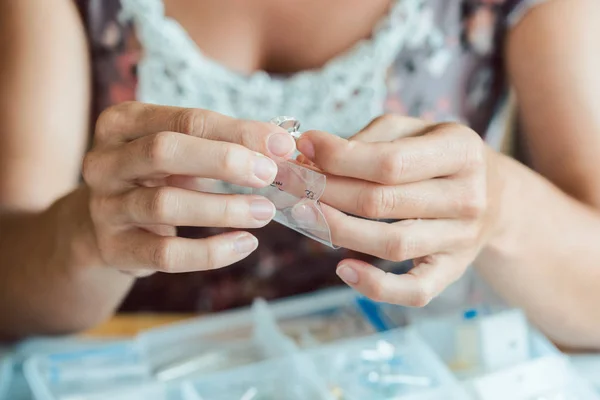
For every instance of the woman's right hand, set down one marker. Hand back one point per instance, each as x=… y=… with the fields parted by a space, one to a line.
x=145 y=174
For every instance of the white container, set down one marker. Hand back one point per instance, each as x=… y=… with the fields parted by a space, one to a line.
x=485 y=343
x=393 y=365
x=550 y=377
x=510 y=359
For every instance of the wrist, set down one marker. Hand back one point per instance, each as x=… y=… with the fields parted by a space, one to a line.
x=506 y=198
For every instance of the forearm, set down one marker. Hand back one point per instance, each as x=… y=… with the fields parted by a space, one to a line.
x=51 y=278
x=545 y=257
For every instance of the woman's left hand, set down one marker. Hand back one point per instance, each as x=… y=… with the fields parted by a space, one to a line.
x=438 y=181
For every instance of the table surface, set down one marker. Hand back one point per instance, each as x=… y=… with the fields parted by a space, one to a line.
x=131 y=324
x=128 y=325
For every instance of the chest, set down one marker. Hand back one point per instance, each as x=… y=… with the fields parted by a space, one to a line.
x=276 y=36
x=334 y=65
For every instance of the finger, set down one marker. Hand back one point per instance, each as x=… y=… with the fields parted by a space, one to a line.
x=129 y=121
x=388 y=128
x=138 y=249
x=414 y=289
x=171 y=153
x=180 y=207
x=442 y=152
x=433 y=198
x=399 y=241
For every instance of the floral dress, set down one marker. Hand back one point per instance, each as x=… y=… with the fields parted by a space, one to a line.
x=438 y=60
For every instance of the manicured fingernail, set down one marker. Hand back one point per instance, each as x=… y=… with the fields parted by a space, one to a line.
x=347 y=274
x=306 y=147
x=264 y=168
x=245 y=244
x=281 y=144
x=262 y=209
x=305 y=214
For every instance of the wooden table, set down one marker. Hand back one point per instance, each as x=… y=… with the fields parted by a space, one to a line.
x=131 y=324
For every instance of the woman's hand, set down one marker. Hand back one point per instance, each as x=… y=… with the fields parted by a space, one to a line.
x=145 y=172
x=435 y=180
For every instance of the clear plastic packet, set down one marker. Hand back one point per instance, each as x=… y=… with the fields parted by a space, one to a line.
x=296 y=193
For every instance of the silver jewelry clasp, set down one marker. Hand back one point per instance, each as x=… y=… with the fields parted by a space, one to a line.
x=290 y=124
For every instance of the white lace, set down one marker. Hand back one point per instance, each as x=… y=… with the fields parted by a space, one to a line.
x=342 y=97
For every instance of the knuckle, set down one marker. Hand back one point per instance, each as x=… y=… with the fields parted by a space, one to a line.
x=110 y=118
x=211 y=258
x=470 y=236
x=473 y=152
x=473 y=203
x=382 y=120
x=231 y=157
x=377 y=202
x=161 y=204
x=228 y=210
x=100 y=209
x=247 y=132
x=164 y=255
x=111 y=247
x=103 y=123
x=473 y=148
x=190 y=121
x=90 y=168
x=475 y=156
x=385 y=118
x=449 y=127
x=334 y=158
x=160 y=149
x=376 y=293
x=391 y=166
x=422 y=295
x=108 y=251
x=399 y=247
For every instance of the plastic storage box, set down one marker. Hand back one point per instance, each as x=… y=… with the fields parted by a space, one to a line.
x=86 y=368
x=6 y=369
x=323 y=346
x=207 y=345
x=393 y=365
x=317 y=319
x=291 y=378
x=498 y=355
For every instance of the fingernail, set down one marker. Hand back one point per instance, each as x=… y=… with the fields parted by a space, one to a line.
x=304 y=213
x=245 y=244
x=306 y=147
x=281 y=144
x=304 y=160
x=347 y=274
x=262 y=209
x=264 y=168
